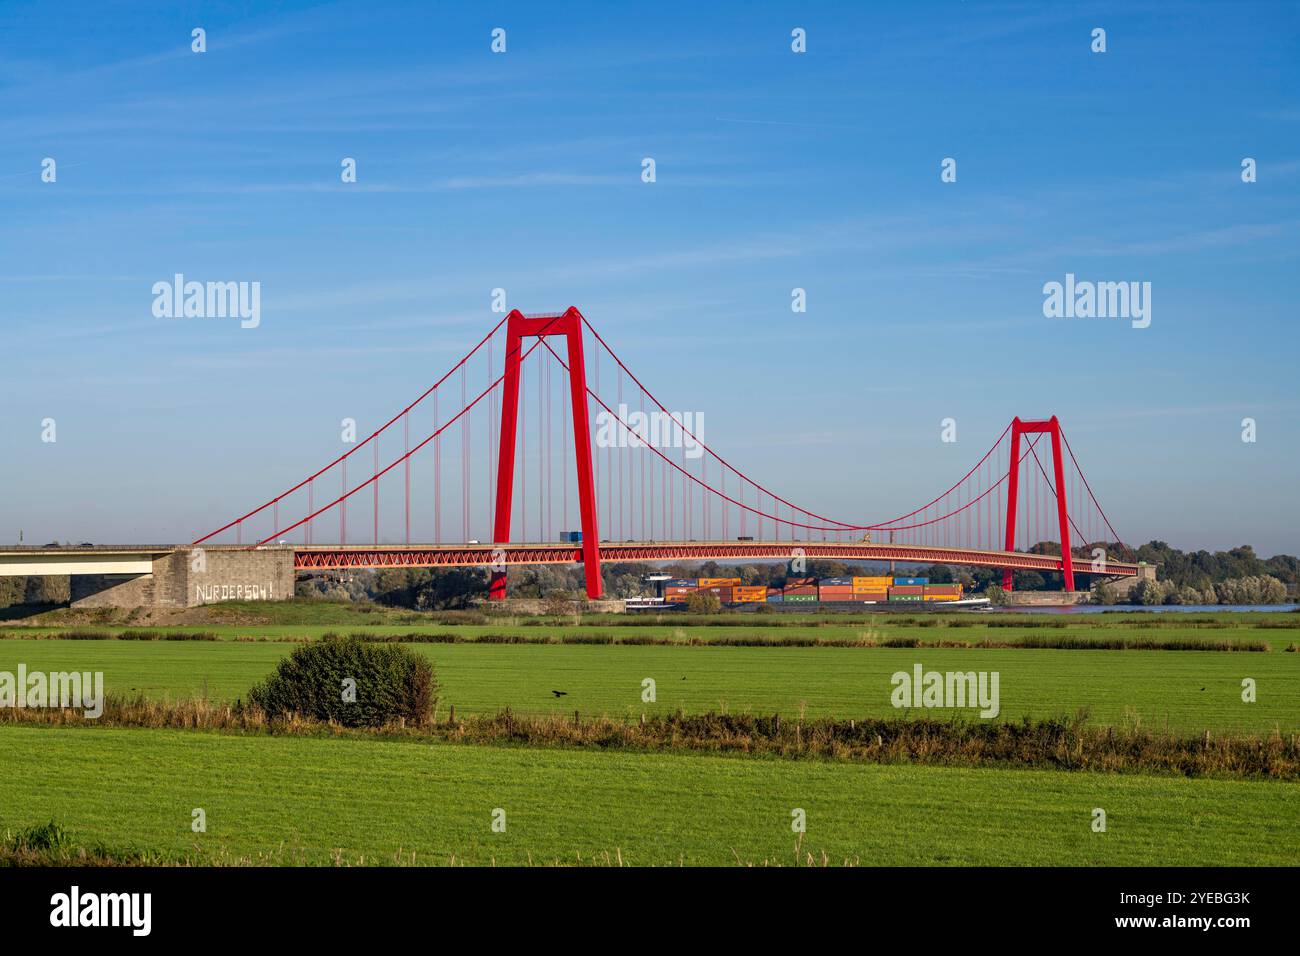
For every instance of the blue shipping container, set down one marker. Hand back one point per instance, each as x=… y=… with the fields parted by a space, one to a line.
x=905 y=582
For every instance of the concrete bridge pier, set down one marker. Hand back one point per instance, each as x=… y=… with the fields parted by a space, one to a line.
x=188 y=577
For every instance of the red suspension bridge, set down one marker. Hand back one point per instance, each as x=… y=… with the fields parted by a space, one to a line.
x=648 y=483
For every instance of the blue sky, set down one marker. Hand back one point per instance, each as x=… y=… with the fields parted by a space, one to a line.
x=774 y=170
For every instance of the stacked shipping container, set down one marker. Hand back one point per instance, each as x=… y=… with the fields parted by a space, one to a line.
x=907 y=592
x=943 y=592
x=872 y=585
x=864 y=589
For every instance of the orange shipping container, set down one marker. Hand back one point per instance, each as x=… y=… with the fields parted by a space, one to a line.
x=718 y=582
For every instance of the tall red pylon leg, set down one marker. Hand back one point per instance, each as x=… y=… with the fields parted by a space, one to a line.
x=1051 y=427
x=519 y=327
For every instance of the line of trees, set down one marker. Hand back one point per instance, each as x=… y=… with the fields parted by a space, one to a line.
x=1252 y=589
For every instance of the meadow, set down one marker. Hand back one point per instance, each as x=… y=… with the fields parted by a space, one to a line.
x=307 y=618
x=320 y=798
x=1183 y=690
x=292 y=800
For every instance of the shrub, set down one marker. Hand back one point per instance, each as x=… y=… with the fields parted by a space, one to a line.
x=558 y=604
x=701 y=602
x=1149 y=592
x=391 y=683
x=1104 y=593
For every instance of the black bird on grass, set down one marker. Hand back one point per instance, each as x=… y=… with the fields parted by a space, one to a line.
x=560 y=693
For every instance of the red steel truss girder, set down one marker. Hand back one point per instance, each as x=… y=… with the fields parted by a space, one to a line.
x=429 y=557
x=323 y=558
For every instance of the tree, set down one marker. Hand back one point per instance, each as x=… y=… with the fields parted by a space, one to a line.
x=557 y=604
x=48 y=589
x=1104 y=593
x=1148 y=593
x=1029 y=581
x=702 y=602
x=451 y=589
x=12 y=591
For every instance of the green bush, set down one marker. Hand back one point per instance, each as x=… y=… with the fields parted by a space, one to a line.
x=391 y=682
x=1104 y=593
x=702 y=602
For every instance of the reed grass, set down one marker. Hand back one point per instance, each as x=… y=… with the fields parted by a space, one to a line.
x=1062 y=743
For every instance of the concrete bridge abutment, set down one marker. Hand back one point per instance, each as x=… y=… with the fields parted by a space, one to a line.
x=189 y=577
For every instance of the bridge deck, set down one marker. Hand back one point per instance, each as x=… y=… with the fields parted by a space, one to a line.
x=110 y=559
x=320 y=557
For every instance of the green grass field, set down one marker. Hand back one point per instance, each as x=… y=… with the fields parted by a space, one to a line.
x=304 y=800
x=313 y=799
x=312 y=619
x=1184 y=690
